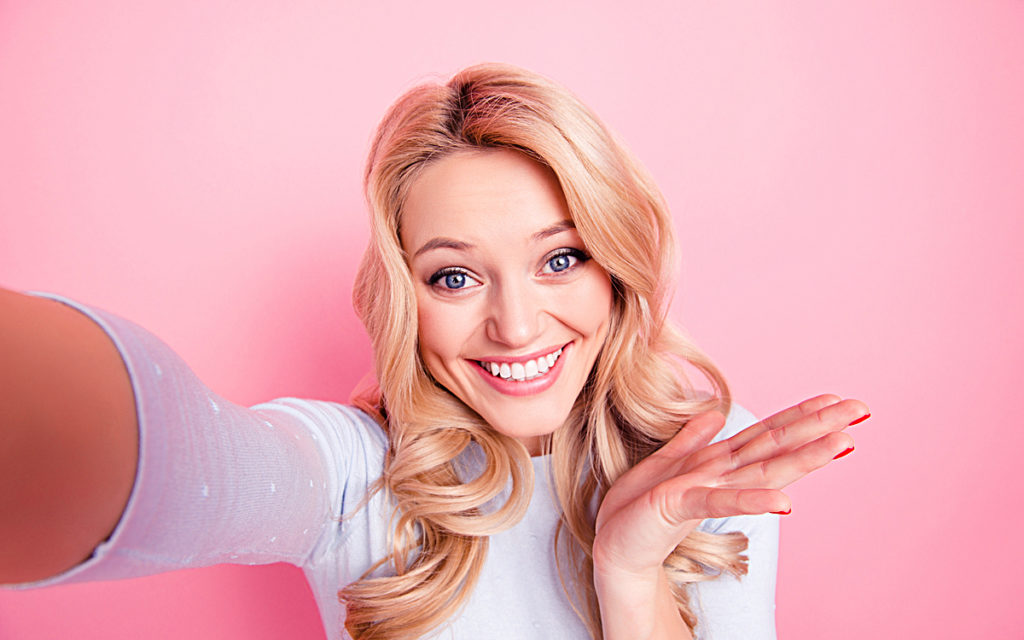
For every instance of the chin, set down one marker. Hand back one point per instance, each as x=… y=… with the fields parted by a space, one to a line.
x=526 y=425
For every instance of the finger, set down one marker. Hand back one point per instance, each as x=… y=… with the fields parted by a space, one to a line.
x=807 y=428
x=776 y=434
x=696 y=433
x=784 y=417
x=699 y=503
x=666 y=461
x=784 y=469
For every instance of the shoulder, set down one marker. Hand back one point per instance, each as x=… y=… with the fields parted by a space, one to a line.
x=352 y=443
x=323 y=415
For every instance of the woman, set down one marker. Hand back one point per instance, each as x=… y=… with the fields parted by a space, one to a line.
x=534 y=462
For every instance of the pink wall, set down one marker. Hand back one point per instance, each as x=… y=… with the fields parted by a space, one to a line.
x=848 y=181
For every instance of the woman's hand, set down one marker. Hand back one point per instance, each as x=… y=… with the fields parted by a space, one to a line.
x=653 y=506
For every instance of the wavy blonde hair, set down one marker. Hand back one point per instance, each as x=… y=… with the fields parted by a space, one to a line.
x=636 y=398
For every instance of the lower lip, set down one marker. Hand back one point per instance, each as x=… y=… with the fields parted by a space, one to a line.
x=528 y=387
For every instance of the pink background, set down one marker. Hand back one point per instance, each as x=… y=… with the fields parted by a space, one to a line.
x=847 y=180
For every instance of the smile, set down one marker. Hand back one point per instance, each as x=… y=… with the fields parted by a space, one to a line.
x=521 y=371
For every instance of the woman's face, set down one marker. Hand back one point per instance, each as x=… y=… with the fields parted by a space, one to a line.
x=512 y=311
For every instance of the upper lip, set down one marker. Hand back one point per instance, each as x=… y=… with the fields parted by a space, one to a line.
x=524 y=358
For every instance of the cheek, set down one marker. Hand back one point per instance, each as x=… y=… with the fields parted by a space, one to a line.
x=440 y=331
x=590 y=306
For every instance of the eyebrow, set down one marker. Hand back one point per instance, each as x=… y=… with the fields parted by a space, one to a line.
x=554 y=230
x=443 y=243
x=458 y=245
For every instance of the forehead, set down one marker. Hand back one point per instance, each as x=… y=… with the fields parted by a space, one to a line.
x=474 y=195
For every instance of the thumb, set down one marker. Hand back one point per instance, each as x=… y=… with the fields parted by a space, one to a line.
x=700 y=503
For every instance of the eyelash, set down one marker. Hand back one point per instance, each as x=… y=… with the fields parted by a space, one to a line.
x=577 y=254
x=448 y=271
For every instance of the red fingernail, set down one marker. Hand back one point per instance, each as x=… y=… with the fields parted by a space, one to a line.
x=783 y=513
x=843 y=453
x=860 y=419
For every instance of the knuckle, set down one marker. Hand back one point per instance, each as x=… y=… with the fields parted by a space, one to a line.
x=664 y=503
x=736 y=458
x=709 y=502
x=820 y=402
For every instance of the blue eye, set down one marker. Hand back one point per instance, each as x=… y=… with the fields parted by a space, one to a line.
x=565 y=259
x=455 y=280
x=452 y=279
x=560 y=263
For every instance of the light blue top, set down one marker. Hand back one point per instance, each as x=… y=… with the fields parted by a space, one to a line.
x=222 y=483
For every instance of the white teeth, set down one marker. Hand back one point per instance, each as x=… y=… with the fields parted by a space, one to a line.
x=520 y=371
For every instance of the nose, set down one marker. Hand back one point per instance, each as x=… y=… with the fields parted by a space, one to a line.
x=515 y=318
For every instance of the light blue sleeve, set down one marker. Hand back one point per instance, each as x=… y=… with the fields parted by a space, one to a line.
x=741 y=609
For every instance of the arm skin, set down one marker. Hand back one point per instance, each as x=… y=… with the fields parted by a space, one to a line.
x=657 y=503
x=68 y=437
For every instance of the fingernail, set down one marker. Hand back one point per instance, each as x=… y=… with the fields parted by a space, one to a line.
x=843 y=453
x=783 y=513
x=860 y=419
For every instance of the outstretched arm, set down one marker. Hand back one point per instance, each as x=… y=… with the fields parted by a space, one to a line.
x=652 y=507
x=68 y=437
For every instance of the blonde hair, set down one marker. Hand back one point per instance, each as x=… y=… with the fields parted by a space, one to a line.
x=636 y=398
